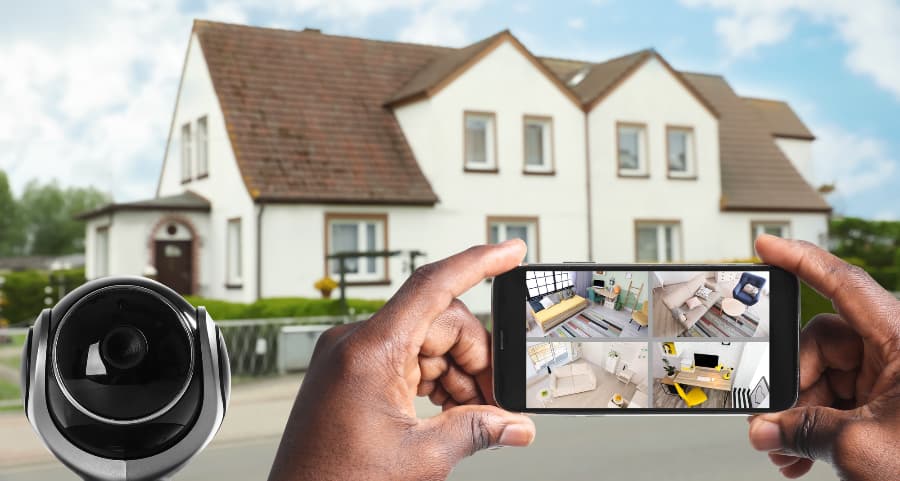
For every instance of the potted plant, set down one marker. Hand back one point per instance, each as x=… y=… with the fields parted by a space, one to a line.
x=670 y=369
x=325 y=285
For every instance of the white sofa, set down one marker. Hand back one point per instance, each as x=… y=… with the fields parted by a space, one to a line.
x=675 y=295
x=572 y=378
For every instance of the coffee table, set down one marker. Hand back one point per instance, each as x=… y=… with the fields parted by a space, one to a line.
x=733 y=307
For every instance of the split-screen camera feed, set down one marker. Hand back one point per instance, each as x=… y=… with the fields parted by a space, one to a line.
x=647 y=339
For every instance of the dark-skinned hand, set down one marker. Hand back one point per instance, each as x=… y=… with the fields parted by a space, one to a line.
x=848 y=412
x=354 y=416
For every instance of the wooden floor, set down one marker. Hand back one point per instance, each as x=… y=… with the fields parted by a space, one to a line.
x=662 y=398
x=663 y=323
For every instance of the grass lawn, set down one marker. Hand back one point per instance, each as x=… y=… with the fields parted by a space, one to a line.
x=18 y=340
x=9 y=390
x=14 y=362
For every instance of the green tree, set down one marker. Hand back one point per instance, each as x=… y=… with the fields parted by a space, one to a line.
x=12 y=229
x=49 y=212
x=872 y=245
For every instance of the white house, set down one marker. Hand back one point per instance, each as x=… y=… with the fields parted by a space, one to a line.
x=287 y=146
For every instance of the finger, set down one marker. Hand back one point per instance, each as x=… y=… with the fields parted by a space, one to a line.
x=457 y=332
x=438 y=396
x=464 y=430
x=842 y=383
x=461 y=387
x=801 y=467
x=862 y=301
x=426 y=388
x=408 y=315
x=827 y=342
x=808 y=432
x=782 y=460
x=433 y=367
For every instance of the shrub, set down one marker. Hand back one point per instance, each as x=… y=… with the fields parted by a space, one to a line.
x=23 y=292
x=282 y=307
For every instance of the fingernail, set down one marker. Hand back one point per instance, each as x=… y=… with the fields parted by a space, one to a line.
x=765 y=436
x=516 y=435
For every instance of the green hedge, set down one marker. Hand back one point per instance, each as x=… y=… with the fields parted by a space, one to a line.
x=812 y=303
x=23 y=292
x=282 y=307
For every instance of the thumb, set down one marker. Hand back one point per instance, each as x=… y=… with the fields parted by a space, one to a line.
x=464 y=430
x=813 y=432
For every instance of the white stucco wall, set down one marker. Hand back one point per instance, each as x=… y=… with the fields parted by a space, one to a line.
x=131 y=242
x=799 y=152
x=506 y=83
x=224 y=186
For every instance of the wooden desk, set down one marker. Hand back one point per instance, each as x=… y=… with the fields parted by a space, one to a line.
x=608 y=294
x=690 y=379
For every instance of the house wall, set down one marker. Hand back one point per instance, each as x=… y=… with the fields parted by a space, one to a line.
x=131 y=245
x=224 y=186
x=506 y=83
x=799 y=152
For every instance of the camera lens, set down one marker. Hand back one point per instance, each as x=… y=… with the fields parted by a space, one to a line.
x=124 y=347
x=123 y=354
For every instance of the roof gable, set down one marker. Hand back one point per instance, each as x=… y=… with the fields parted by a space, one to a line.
x=444 y=69
x=304 y=114
x=756 y=175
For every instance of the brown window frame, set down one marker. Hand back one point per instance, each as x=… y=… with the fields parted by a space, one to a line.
x=204 y=172
x=229 y=278
x=693 y=160
x=358 y=216
x=548 y=121
x=496 y=167
x=658 y=222
x=645 y=145
x=754 y=223
x=513 y=219
x=187 y=153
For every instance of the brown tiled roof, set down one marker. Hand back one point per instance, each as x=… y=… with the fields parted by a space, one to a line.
x=305 y=117
x=780 y=118
x=756 y=175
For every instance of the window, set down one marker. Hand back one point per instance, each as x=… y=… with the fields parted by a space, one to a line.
x=658 y=241
x=202 y=148
x=363 y=233
x=680 y=147
x=544 y=353
x=234 y=269
x=186 y=152
x=525 y=228
x=480 y=144
x=545 y=282
x=538 y=145
x=101 y=252
x=776 y=228
x=631 y=144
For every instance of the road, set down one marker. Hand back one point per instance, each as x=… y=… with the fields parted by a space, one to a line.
x=684 y=448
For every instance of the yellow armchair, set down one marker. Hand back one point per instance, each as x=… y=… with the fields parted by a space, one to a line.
x=693 y=397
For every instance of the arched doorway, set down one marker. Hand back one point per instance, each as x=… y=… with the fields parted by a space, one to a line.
x=173 y=254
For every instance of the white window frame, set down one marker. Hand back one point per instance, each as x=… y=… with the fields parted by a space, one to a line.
x=101 y=251
x=539 y=283
x=490 y=143
x=202 y=147
x=531 y=225
x=758 y=227
x=643 y=168
x=234 y=252
x=547 y=159
x=690 y=143
x=186 y=148
x=361 y=222
x=662 y=248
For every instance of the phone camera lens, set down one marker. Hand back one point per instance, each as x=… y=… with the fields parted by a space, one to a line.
x=124 y=347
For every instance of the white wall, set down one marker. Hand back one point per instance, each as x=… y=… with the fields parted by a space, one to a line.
x=224 y=187
x=629 y=355
x=799 y=152
x=753 y=365
x=728 y=355
x=506 y=83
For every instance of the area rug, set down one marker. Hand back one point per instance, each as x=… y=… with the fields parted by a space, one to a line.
x=715 y=323
x=587 y=324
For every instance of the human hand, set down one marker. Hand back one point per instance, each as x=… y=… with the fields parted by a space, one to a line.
x=354 y=416
x=848 y=412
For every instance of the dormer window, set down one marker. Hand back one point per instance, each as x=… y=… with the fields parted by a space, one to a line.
x=480 y=142
x=631 y=147
x=681 y=154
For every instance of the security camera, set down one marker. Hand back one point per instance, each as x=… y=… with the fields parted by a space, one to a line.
x=125 y=380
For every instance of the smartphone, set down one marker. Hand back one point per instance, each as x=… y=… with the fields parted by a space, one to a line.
x=645 y=339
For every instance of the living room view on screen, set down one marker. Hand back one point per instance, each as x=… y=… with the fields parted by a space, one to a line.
x=587 y=304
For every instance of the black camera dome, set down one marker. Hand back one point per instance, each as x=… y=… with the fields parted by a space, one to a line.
x=123 y=355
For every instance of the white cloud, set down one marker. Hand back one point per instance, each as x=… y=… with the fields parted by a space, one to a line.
x=576 y=23
x=440 y=23
x=869 y=29
x=853 y=163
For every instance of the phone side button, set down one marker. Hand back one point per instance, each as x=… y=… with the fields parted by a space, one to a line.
x=502 y=339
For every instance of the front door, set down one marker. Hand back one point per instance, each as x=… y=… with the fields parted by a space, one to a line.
x=174 y=264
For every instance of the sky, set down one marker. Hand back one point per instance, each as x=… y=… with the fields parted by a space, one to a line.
x=87 y=89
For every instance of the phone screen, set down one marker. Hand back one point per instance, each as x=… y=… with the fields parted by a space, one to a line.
x=642 y=339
